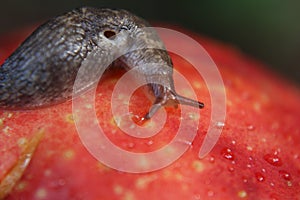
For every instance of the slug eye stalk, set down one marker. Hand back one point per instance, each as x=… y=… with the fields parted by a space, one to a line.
x=168 y=97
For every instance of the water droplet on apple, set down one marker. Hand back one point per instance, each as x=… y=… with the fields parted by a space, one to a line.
x=184 y=141
x=285 y=175
x=130 y=145
x=150 y=142
x=227 y=153
x=250 y=128
x=230 y=169
x=211 y=159
x=220 y=124
x=250 y=158
x=189 y=143
x=245 y=180
x=273 y=159
x=259 y=177
x=249 y=165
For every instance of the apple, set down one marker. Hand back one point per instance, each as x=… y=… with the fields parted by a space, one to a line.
x=256 y=157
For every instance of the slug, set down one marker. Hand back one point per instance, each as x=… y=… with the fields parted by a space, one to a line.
x=42 y=70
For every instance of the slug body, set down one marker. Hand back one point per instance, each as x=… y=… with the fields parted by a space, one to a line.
x=42 y=71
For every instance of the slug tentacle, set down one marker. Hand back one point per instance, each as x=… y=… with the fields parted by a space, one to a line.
x=169 y=97
x=42 y=71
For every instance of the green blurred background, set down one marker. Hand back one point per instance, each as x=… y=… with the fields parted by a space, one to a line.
x=268 y=29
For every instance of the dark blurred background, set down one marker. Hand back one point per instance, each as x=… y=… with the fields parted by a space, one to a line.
x=268 y=30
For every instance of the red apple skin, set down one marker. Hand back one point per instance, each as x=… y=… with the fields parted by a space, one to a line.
x=256 y=157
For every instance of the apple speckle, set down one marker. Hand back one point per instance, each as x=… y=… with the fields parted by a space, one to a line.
x=118 y=189
x=102 y=168
x=185 y=92
x=69 y=154
x=198 y=166
x=242 y=194
x=22 y=141
x=129 y=195
x=6 y=130
x=143 y=182
x=47 y=172
x=41 y=193
x=115 y=121
x=88 y=106
x=150 y=125
x=257 y=107
x=143 y=162
x=193 y=116
x=122 y=97
x=197 y=85
x=21 y=185
x=249 y=148
x=69 y=118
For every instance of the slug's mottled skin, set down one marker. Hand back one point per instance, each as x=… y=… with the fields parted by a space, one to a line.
x=42 y=71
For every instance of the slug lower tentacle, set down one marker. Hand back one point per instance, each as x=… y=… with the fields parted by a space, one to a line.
x=42 y=71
